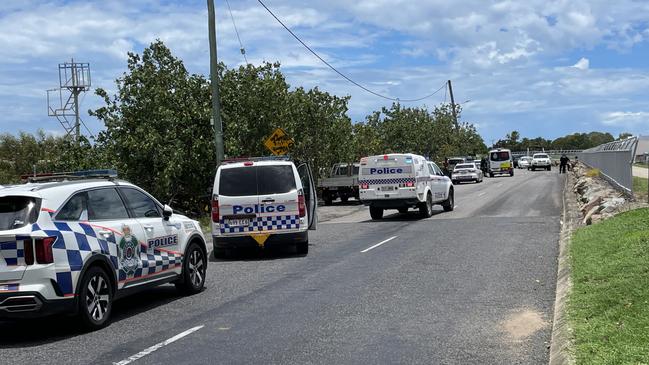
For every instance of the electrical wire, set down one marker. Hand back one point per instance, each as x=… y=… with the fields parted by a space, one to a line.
x=340 y=73
x=242 y=49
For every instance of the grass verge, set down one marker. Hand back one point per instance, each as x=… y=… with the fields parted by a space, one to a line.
x=609 y=304
x=640 y=188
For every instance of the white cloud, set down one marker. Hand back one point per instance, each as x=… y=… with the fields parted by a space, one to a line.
x=582 y=64
x=626 y=119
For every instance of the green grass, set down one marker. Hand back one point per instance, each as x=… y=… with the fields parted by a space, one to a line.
x=609 y=304
x=640 y=188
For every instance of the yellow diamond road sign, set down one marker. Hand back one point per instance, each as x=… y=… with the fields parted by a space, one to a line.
x=279 y=142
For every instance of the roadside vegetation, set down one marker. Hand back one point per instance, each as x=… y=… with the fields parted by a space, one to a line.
x=640 y=188
x=609 y=303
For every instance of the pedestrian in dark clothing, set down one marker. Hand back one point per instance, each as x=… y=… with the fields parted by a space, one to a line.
x=563 y=163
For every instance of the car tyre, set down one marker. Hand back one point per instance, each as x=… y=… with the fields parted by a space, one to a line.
x=491 y=174
x=95 y=299
x=511 y=173
x=344 y=199
x=426 y=208
x=449 y=203
x=194 y=269
x=376 y=213
x=403 y=210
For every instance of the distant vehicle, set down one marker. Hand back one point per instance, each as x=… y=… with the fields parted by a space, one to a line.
x=500 y=162
x=269 y=198
x=72 y=243
x=524 y=162
x=454 y=161
x=541 y=161
x=342 y=183
x=466 y=172
x=402 y=181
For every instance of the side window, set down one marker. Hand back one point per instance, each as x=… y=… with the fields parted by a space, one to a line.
x=438 y=171
x=140 y=204
x=431 y=169
x=75 y=209
x=105 y=204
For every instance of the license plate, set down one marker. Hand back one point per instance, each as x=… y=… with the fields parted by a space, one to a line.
x=245 y=222
x=387 y=188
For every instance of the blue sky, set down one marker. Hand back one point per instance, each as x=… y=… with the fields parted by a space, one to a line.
x=544 y=68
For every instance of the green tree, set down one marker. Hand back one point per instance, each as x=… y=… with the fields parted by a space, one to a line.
x=158 y=132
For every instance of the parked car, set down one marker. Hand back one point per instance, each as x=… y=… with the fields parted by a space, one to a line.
x=75 y=242
x=524 y=162
x=466 y=172
x=541 y=161
x=342 y=183
x=402 y=181
x=262 y=202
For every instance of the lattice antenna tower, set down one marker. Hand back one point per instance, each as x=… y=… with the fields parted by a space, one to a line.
x=63 y=102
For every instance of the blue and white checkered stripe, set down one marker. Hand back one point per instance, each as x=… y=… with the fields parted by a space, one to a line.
x=153 y=263
x=13 y=252
x=263 y=224
x=399 y=180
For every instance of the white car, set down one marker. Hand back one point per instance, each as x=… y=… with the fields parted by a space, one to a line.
x=76 y=245
x=524 y=162
x=541 y=161
x=402 y=181
x=262 y=202
x=466 y=172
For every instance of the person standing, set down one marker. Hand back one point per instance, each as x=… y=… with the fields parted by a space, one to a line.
x=563 y=163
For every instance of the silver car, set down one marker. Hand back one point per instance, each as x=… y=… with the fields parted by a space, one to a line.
x=467 y=172
x=524 y=162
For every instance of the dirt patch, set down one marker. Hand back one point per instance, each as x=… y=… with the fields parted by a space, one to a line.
x=522 y=324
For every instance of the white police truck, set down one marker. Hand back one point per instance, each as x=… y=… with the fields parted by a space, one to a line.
x=402 y=181
x=75 y=242
x=262 y=202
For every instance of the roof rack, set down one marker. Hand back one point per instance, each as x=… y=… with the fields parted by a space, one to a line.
x=256 y=159
x=75 y=175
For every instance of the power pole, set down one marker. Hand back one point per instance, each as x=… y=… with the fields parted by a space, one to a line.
x=450 y=91
x=214 y=78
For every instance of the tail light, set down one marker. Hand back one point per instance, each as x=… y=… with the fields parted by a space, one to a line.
x=215 y=209
x=365 y=186
x=29 y=252
x=301 y=205
x=410 y=184
x=43 y=248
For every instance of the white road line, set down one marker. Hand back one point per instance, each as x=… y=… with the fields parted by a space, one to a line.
x=142 y=354
x=379 y=244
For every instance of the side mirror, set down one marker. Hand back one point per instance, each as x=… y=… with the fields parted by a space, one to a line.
x=167 y=212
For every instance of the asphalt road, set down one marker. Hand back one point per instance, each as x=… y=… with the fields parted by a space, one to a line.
x=472 y=286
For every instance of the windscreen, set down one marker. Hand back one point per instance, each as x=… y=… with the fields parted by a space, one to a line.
x=465 y=166
x=500 y=156
x=454 y=161
x=541 y=156
x=17 y=212
x=257 y=180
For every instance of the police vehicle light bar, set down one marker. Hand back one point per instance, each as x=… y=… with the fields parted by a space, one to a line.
x=73 y=175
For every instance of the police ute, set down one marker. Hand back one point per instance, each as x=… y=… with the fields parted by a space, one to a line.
x=403 y=181
x=75 y=242
x=262 y=202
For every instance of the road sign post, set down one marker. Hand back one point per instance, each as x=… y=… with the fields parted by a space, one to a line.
x=279 y=142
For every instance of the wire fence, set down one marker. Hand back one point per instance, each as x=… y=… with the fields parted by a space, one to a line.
x=615 y=162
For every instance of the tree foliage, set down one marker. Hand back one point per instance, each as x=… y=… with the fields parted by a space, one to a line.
x=576 y=141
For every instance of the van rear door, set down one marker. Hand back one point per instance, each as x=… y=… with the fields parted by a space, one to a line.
x=310 y=197
x=238 y=201
x=278 y=197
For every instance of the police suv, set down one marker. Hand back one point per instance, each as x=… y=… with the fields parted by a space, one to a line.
x=77 y=244
x=402 y=181
x=262 y=202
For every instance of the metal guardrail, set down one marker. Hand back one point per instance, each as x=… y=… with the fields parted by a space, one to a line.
x=615 y=162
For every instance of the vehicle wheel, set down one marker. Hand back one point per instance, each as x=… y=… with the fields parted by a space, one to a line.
x=376 y=213
x=449 y=204
x=95 y=298
x=549 y=168
x=454 y=182
x=327 y=200
x=491 y=174
x=426 y=208
x=533 y=169
x=511 y=173
x=302 y=248
x=403 y=210
x=344 y=198
x=193 y=274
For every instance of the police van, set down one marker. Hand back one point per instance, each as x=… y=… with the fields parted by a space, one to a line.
x=501 y=162
x=262 y=202
x=75 y=242
x=402 y=181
